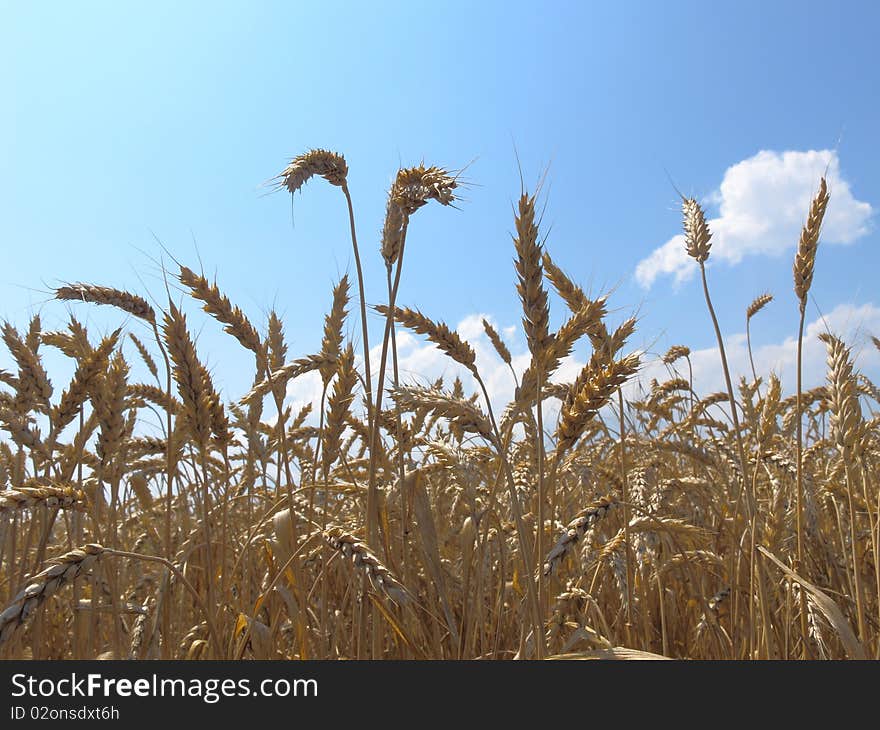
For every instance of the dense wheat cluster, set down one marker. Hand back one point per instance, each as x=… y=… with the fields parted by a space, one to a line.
x=147 y=517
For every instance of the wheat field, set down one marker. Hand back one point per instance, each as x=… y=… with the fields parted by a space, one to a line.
x=404 y=521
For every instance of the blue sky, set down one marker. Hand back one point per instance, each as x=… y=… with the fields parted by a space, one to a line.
x=128 y=125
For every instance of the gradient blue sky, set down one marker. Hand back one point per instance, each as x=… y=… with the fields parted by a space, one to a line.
x=129 y=124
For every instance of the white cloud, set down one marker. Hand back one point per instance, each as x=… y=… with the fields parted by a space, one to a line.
x=421 y=362
x=762 y=204
x=301 y=391
x=854 y=324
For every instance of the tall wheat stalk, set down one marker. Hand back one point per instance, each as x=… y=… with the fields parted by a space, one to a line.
x=804 y=264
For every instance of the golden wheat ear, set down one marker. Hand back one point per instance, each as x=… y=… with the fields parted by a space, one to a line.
x=63 y=570
x=439 y=333
x=218 y=306
x=126 y=301
x=329 y=165
x=808 y=244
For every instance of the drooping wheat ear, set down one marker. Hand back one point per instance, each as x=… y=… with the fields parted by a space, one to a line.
x=696 y=231
x=463 y=413
x=379 y=577
x=42 y=492
x=285 y=373
x=575 y=530
x=46 y=583
x=416 y=186
x=497 y=343
x=412 y=188
x=329 y=165
x=593 y=388
x=570 y=292
x=34 y=385
x=758 y=304
x=339 y=407
x=805 y=258
x=218 y=306
x=675 y=353
x=331 y=344
x=439 y=333
x=530 y=285
x=197 y=394
x=846 y=411
x=769 y=412
x=127 y=302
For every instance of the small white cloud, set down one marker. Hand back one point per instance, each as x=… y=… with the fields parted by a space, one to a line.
x=304 y=390
x=762 y=205
x=670 y=258
x=471 y=327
